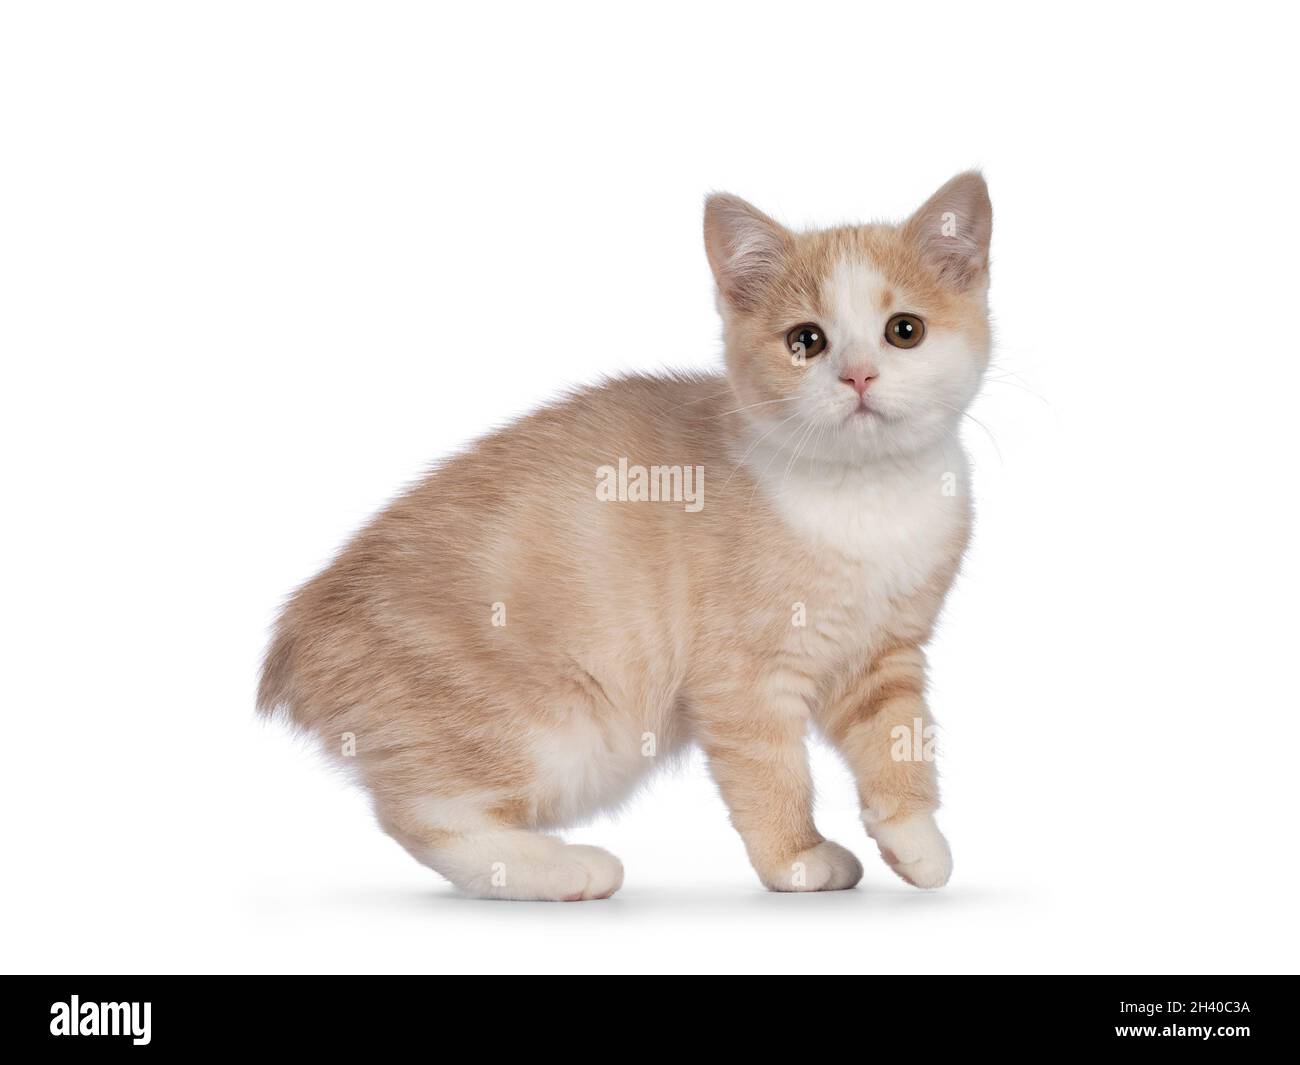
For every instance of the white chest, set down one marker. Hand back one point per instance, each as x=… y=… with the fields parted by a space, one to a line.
x=875 y=535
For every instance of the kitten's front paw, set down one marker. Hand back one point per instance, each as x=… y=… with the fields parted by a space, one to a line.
x=825 y=867
x=915 y=849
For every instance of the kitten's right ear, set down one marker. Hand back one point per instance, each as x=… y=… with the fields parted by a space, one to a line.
x=746 y=249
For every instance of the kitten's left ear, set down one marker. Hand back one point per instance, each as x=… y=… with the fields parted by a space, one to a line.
x=952 y=229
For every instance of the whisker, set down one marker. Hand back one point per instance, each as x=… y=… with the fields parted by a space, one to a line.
x=759 y=479
x=764 y=403
x=1023 y=388
x=1003 y=372
x=754 y=445
x=992 y=439
x=967 y=414
x=803 y=441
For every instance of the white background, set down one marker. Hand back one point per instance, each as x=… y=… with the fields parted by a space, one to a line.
x=261 y=263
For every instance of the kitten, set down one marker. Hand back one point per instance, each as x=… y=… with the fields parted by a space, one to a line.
x=725 y=560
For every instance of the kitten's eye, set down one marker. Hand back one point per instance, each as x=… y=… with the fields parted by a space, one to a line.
x=807 y=339
x=904 y=330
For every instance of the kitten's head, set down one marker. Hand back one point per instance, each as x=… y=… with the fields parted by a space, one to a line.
x=857 y=342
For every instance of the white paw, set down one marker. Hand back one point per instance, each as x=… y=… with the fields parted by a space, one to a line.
x=825 y=867
x=539 y=869
x=915 y=849
x=603 y=871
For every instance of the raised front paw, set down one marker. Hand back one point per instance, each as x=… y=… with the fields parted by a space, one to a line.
x=915 y=849
x=825 y=867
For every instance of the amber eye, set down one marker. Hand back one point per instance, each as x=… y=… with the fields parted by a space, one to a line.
x=904 y=330
x=807 y=340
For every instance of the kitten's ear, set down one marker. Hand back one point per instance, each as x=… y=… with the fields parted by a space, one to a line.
x=952 y=230
x=746 y=249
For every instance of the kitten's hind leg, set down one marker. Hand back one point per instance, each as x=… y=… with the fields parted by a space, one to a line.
x=497 y=861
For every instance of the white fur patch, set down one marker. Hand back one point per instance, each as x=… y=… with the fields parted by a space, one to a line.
x=914 y=848
x=582 y=768
x=857 y=323
x=882 y=530
x=899 y=516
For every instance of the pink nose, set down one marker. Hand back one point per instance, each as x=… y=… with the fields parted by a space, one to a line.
x=860 y=380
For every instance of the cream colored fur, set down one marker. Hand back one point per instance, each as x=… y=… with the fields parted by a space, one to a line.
x=511 y=652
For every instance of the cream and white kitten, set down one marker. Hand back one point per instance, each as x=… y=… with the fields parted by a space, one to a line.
x=724 y=560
